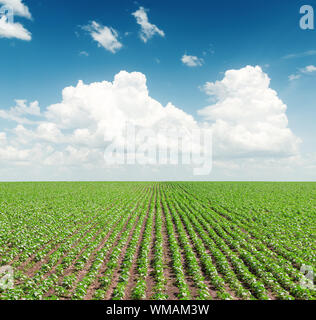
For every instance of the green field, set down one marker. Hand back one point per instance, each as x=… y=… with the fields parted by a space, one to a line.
x=142 y=240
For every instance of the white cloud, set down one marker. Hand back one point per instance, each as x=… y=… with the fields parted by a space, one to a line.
x=105 y=37
x=9 y=153
x=84 y=53
x=249 y=119
x=3 y=138
x=308 y=69
x=191 y=61
x=301 y=54
x=148 y=30
x=21 y=108
x=90 y=110
x=10 y=29
x=13 y=30
x=45 y=131
x=79 y=128
x=294 y=77
x=20 y=111
x=19 y=8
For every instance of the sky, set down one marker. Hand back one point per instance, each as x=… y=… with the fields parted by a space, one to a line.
x=74 y=73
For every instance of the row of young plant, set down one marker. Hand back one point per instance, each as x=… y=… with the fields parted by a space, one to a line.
x=51 y=254
x=159 y=289
x=202 y=242
x=192 y=263
x=34 y=240
x=274 y=238
x=237 y=219
x=284 y=228
x=73 y=252
x=39 y=243
x=139 y=289
x=103 y=247
x=120 y=240
x=277 y=272
x=270 y=273
x=255 y=269
x=27 y=285
x=248 y=280
x=112 y=265
x=177 y=265
x=119 y=291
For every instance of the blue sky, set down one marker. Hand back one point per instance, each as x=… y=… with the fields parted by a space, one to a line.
x=225 y=34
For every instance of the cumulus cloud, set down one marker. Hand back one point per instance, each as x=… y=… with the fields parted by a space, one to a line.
x=148 y=30
x=8 y=28
x=45 y=131
x=20 y=112
x=249 y=119
x=248 y=122
x=90 y=116
x=22 y=108
x=106 y=37
x=3 y=138
x=94 y=110
x=13 y=30
x=191 y=61
x=18 y=7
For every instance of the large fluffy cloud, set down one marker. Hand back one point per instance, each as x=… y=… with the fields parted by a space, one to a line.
x=93 y=109
x=249 y=119
x=18 y=7
x=90 y=116
x=248 y=122
x=8 y=28
x=13 y=30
